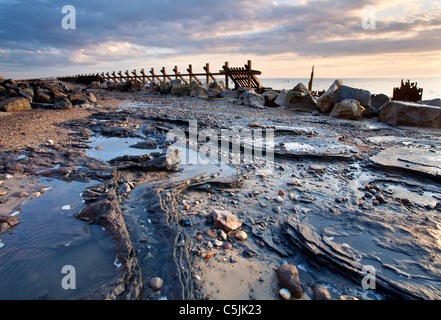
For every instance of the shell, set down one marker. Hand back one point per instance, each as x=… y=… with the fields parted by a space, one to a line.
x=241 y=235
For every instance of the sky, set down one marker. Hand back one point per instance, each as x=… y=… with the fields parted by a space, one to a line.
x=342 y=39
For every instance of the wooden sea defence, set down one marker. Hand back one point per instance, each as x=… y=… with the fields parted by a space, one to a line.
x=244 y=77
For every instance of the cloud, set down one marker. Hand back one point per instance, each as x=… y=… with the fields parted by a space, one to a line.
x=119 y=32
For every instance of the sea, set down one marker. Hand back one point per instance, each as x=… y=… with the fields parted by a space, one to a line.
x=431 y=86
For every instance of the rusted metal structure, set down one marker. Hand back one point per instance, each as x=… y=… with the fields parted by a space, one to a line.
x=240 y=76
x=408 y=92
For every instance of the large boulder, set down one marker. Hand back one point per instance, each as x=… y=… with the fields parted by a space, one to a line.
x=377 y=101
x=270 y=98
x=300 y=87
x=410 y=114
x=199 y=90
x=15 y=105
x=215 y=88
x=253 y=99
x=281 y=99
x=347 y=109
x=288 y=275
x=301 y=101
x=345 y=92
x=179 y=89
x=62 y=103
x=42 y=96
x=434 y=102
x=79 y=98
x=326 y=101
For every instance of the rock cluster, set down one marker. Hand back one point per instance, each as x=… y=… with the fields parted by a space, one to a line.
x=25 y=96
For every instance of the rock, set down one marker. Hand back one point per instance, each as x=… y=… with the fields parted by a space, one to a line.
x=326 y=101
x=156 y=283
x=15 y=105
x=78 y=98
x=434 y=102
x=55 y=94
x=320 y=292
x=215 y=88
x=241 y=235
x=199 y=91
x=125 y=188
x=234 y=94
x=301 y=101
x=377 y=100
x=300 y=87
x=253 y=99
x=164 y=88
x=7 y=222
x=42 y=96
x=281 y=99
x=179 y=89
x=270 y=98
x=410 y=114
x=95 y=85
x=288 y=275
x=92 y=97
x=317 y=168
x=279 y=199
x=345 y=92
x=285 y=294
x=347 y=109
x=225 y=219
x=62 y=103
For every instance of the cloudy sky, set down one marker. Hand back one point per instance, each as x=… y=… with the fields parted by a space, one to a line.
x=283 y=38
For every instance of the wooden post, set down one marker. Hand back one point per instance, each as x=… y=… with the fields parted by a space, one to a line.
x=175 y=70
x=311 y=80
x=249 y=73
x=226 y=66
x=207 y=70
x=190 y=72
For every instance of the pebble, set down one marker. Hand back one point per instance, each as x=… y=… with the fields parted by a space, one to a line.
x=317 y=168
x=217 y=243
x=8 y=176
x=199 y=237
x=285 y=294
x=294 y=182
x=227 y=246
x=279 y=199
x=241 y=235
x=156 y=283
x=282 y=193
x=186 y=206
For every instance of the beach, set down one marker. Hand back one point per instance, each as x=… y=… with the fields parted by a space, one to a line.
x=302 y=205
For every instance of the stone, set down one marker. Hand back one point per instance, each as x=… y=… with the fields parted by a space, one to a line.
x=347 y=109
x=288 y=275
x=42 y=96
x=281 y=99
x=7 y=222
x=164 y=88
x=270 y=98
x=156 y=283
x=215 y=88
x=410 y=114
x=199 y=90
x=92 y=97
x=434 y=102
x=55 y=94
x=301 y=101
x=300 y=87
x=320 y=292
x=180 y=89
x=79 y=98
x=253 y=99
x=225 y=220
x=345 y=92
x=234 y=94
x=377 y=100
x=95 y=85
x=62 y=103
x=15 y=105
x=325 y=102
x=285 y=294
x=241 y=235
